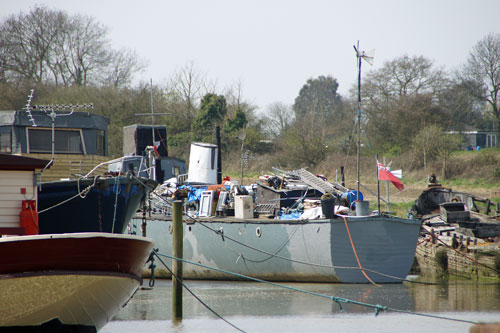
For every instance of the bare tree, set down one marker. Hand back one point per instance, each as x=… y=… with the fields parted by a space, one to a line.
x=278 y=118
x=426 y=143
x=123 y=65
x=482 y=73
x=305 y=142
x=47 y=45
x=401 y=98
x=86 y=49
x=26 y=43
x=188 y=84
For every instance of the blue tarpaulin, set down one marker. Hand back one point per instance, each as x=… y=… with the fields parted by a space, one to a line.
x=290 y=216
x=194 y=193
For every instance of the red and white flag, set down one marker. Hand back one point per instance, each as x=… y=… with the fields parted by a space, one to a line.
x=156 y=145
x=385 y=174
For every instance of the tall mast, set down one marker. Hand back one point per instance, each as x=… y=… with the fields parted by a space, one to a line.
x=358 y=58
x=369 y=58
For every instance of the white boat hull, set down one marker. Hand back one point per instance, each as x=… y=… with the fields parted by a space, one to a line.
x=73 y=298
x=79 y=280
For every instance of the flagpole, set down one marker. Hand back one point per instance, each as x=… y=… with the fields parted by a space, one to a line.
x=388 y=204
x=378 y=187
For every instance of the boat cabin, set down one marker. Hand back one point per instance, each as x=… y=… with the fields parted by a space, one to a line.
x=18 y=192
x=136 y=140
x=80 y=140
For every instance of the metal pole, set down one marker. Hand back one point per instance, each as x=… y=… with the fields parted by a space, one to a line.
x=219 y=155
x=153 y=158
x=378 y=188
x=177 y=245
x=152 y=114
x=388 y=202
x=359 y=116
x=242 y=148
x=342 y=176
x=53 y=144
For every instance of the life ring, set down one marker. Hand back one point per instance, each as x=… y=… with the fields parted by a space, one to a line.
x=456 y=199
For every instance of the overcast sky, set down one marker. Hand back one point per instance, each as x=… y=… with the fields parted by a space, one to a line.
x=273 y=47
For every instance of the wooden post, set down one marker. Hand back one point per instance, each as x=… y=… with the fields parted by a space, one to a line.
x=177 y=246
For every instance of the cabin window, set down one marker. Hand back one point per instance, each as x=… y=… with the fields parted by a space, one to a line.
x=5 y=143
x=492 y=140
x=100 y=143
x=66 y=141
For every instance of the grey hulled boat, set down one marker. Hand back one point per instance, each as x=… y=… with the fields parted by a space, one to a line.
x=347 y=248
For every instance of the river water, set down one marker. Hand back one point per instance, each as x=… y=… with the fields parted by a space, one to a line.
x=258 y=307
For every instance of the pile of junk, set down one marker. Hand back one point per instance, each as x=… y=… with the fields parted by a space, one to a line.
x=288 y=195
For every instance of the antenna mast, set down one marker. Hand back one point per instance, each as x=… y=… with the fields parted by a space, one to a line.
x=28 y=108
x=368 y=58
x=152 y=161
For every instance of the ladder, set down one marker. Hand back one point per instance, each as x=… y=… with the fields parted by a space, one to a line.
x=318 y=183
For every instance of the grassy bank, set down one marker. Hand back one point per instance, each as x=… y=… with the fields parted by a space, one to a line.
x=476 y=172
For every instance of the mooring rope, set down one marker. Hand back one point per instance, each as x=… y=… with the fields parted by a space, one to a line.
x=356 y=254
x=196 y=297
x=339 y=300
x=81 y=193
x=309 y=263
x=117 y=191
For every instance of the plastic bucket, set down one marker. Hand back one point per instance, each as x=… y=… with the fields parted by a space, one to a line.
x=327 y=206
x=362 y=208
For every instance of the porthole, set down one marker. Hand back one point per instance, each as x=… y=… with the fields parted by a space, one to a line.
x=170 y=229
x=258 y=232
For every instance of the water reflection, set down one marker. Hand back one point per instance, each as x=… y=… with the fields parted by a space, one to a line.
x=257 y=299
x=456 y=296
x=257 y=307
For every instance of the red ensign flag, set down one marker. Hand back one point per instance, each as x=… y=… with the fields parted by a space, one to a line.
x=385 y=174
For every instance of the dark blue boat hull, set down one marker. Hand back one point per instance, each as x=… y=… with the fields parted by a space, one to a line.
x=108 y=206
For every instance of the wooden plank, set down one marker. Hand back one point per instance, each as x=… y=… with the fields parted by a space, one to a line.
x=11 y=189
x=19 y=182
x=10 y=203
x=10 y=211
x=61 y=167
x=16 y=197
x=9 y=221
x=16 y=174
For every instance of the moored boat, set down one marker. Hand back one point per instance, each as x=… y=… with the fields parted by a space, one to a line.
x=347 y=249
x=91 y=204
x=460 y=233
x=286 y=234
x=58 y=282
x=74 y=282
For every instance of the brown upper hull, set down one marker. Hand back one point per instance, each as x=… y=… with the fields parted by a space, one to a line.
x=96 y=252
